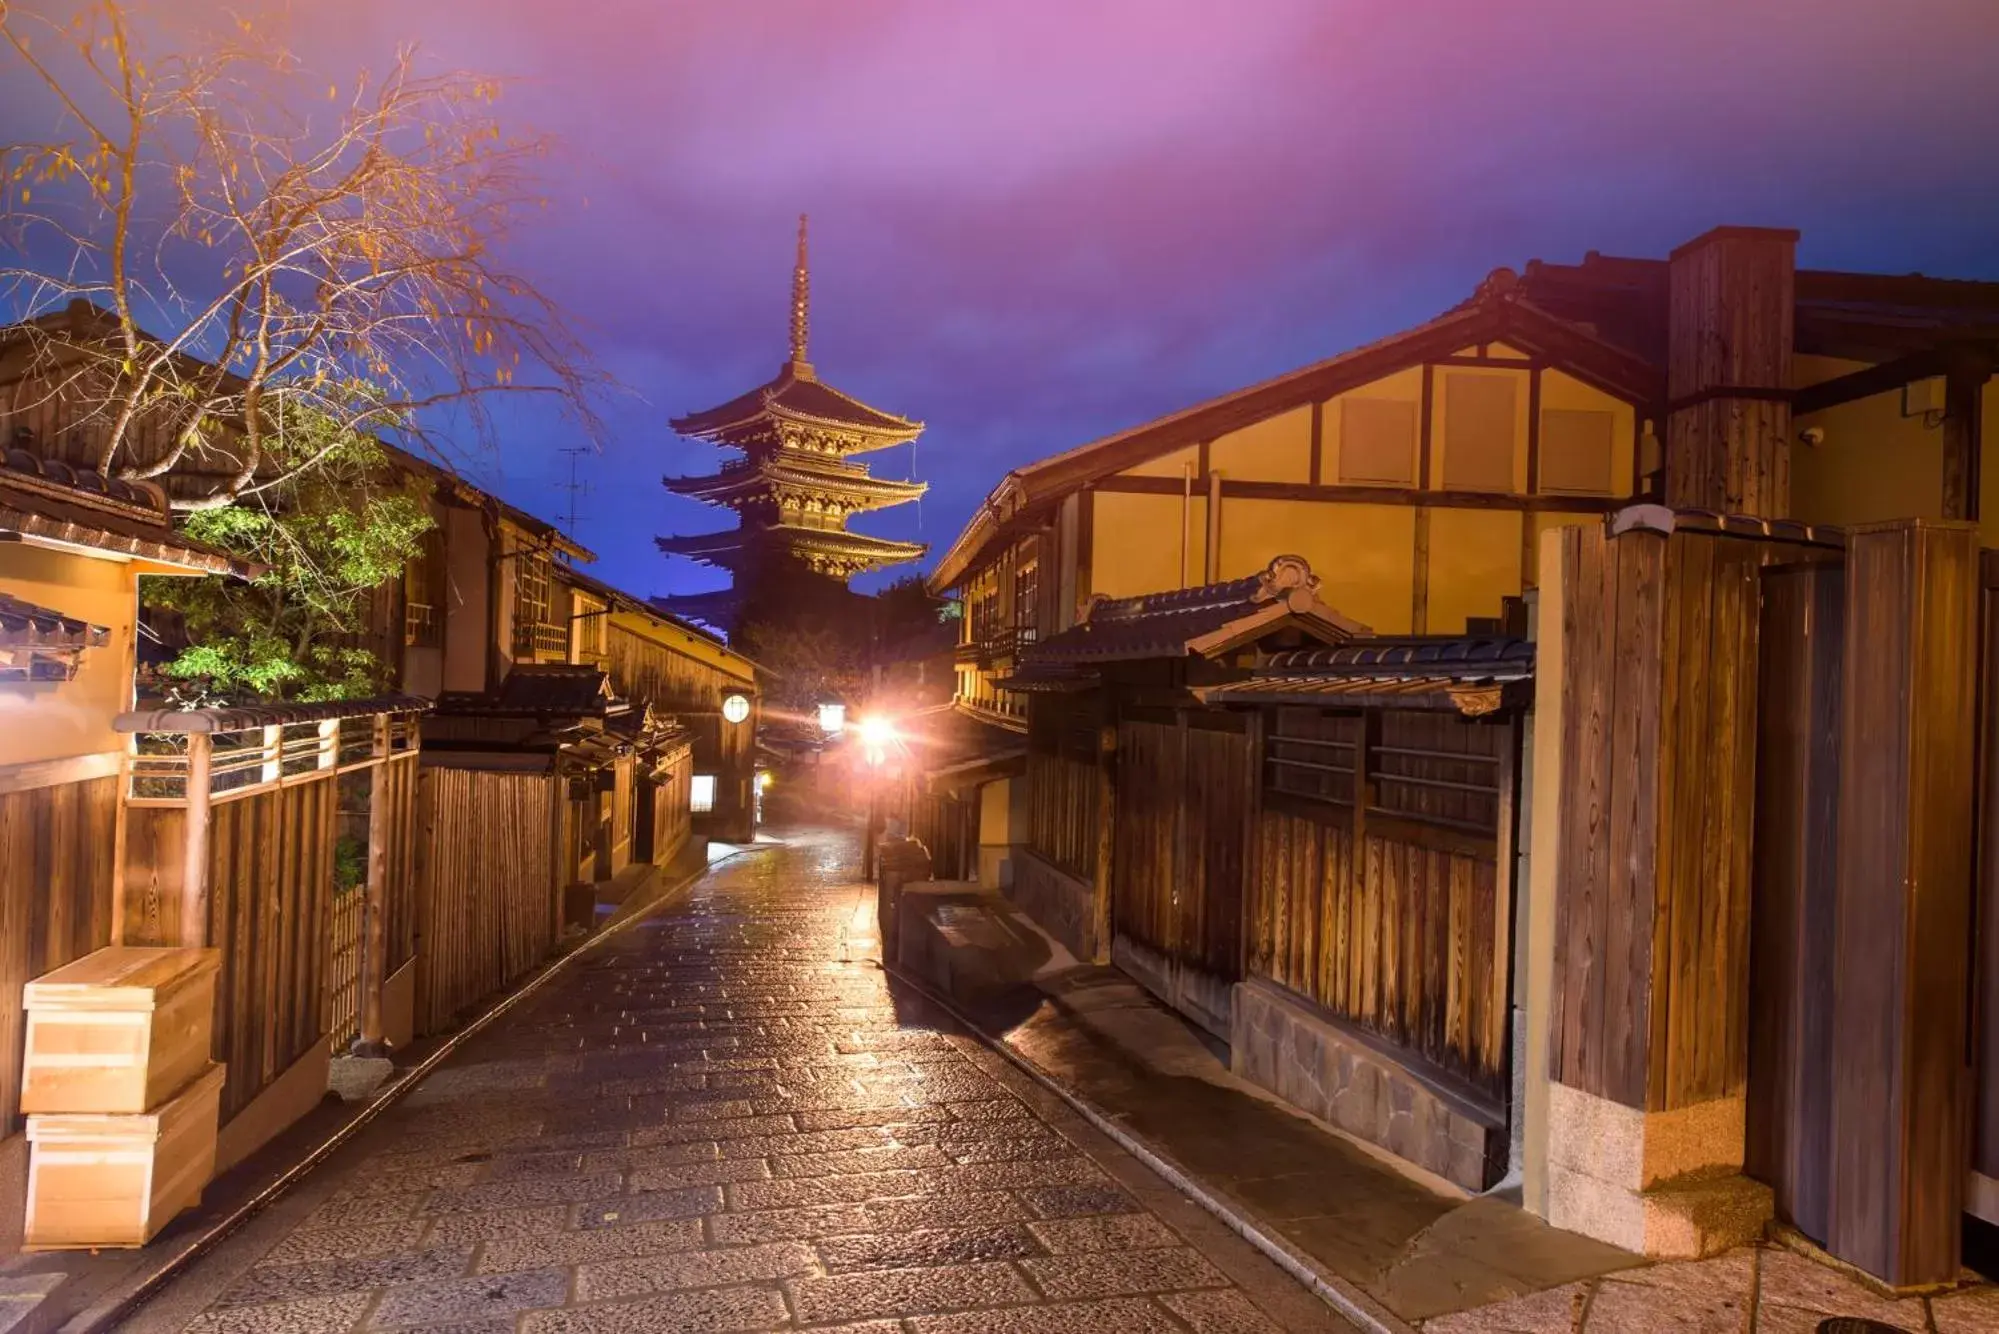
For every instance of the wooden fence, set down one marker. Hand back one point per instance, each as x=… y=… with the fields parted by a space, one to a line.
x=1409 y=939
x=232 y=837
x=56 y=878
x=1063 y=784
x=1177 y=864
x=488 y=867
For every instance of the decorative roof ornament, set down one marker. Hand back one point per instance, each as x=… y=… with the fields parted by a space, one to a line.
x=801 y=306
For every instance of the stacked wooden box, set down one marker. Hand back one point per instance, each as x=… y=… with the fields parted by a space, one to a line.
x=120 y=1093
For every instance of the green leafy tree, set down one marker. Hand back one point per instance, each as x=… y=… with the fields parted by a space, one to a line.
x=328 y=536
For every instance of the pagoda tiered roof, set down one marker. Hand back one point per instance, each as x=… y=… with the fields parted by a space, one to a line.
x=796 y=406
x=825 y=550
x=799 y=473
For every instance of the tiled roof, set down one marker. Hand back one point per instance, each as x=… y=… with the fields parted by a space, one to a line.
x=1189 y=620
x=556 y=688
x=25 y=625
x=1473 y=675
x=49 y=499
x=796 y=394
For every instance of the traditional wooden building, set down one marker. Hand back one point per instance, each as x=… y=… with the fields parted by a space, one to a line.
x=795 y=487
x=1744 y=503
x=72 y=549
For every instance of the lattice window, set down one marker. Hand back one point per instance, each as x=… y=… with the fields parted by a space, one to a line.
x=592 y=631
x=423 y=593
x=535 y=628
x=1026 y=599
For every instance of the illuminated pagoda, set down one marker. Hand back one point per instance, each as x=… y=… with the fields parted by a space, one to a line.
x=796 y=484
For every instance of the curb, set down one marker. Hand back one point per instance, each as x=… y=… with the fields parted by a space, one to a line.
x=1335 y=1291
x=104 y=1314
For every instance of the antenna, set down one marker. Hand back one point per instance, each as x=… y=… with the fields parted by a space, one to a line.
x=576 y=487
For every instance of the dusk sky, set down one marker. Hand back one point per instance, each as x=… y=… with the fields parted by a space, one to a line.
x=1036 y=222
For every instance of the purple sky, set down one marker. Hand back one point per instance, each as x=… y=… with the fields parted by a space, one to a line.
x=1038 y=221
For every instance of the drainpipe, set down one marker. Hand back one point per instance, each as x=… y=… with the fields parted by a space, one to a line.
x=1214 y=561
x=1186 y=518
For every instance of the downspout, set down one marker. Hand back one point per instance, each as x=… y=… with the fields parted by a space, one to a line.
x=1214 y=561
x=1186 y=518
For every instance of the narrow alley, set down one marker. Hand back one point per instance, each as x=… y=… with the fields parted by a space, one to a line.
x=725 y=1119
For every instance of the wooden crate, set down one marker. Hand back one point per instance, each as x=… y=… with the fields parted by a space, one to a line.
x=117 y=1180
x=121 y=1030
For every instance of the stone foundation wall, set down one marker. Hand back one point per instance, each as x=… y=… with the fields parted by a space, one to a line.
x=1059 y=903
x=1287 y=1046
x=1207 y=1000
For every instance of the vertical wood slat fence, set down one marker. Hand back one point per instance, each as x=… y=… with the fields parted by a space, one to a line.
x=488 y=857
x=1408 y=937
x=231 y=841
x=1177 y=879
x=56 y=875
x=1062 y=785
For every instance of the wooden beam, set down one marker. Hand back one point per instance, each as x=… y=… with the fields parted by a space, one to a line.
x=1233 y=489
x=1881 y=379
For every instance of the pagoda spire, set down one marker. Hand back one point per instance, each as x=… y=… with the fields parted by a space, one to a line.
x=801 y=302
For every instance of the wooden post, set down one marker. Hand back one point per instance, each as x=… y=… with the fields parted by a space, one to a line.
x=1965 y=375
x=1732 y=298
x=1899 y=1076
x=375 y=928
x=194 y=848
x=1101 y=922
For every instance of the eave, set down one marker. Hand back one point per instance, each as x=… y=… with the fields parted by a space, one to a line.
x=1496 y=314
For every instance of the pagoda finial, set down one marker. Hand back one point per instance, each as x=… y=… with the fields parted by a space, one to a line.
x=801 y=299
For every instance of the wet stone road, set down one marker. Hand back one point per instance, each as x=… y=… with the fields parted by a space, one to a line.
x=715 y=1122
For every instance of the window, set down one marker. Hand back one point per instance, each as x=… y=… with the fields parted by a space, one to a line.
x=1027 y=599
x=701 y=795
x=1377 y=442
x=423 y=593
x=1478 y=432
x=592 y=631
x=1575 y=451
x=535 y=630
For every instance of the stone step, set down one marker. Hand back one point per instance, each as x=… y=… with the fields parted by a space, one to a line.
x=1694 y=1217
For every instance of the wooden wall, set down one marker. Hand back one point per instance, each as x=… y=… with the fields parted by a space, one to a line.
x=487 y=890
x=270 y=878
x=1652 y=891
x=1409 y=938
x=1062 y=783
x=1184 y=785
x=1791 y=929
x=55 y=899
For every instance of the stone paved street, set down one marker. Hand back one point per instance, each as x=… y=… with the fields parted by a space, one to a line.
x=724 y=1119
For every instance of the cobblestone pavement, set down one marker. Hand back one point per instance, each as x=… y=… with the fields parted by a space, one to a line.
x=723 y=1119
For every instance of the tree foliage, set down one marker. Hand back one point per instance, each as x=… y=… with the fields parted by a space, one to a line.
x=258 y=246
x=328 y=536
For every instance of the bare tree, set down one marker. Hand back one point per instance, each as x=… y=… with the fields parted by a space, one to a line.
x=221 y=255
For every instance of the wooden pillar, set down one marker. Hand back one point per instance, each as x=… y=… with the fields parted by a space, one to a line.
x=1965 y=374
x=375 y=919
x=1731 y=311
x=194 y=886
x=1647 y=1007
x=1899 y=1076
x=1101 y=921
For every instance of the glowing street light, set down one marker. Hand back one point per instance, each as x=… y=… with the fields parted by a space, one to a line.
x=832 y=717
x=877 y=735
x=735 y=707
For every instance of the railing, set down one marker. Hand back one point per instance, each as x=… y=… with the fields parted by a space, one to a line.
x=541 y=638
x=243 y=828
x=422 y=627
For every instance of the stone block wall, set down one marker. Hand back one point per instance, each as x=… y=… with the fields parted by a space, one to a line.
x=1059 y=903
x=1283 y=1044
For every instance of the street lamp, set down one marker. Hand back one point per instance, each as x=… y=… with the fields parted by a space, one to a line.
x=877 y=734
x=832 y=717
x=735 y=707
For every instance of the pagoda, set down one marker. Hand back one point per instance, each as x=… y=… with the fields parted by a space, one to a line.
x=796 y=484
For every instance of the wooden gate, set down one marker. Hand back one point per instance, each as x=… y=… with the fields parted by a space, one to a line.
x=1183 y=791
